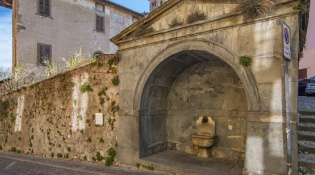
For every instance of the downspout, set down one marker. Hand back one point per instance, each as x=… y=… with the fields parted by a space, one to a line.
x=288 y=119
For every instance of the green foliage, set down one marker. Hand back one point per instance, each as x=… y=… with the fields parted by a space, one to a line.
x=111 y=123
x=85 y=158
x=13 y=149
x=115 y=80
x=111 y=152
x=111 y=156
x=149 y=167
x=114 y=108
x=102 y=140
x=252 y=9
x=99 y=157
x=94 y=159
x=142 y=30
x=196 y=16
x=66 y=156
x=113 y=61
x=52 y=155
x=102 y=92
x=69 y=149
x=175 y=22
x=6 y=139
x=86 y=88
x=1 y=147
x=102 y=100
x=89 y=139
x=59 y=155
x=245 y=60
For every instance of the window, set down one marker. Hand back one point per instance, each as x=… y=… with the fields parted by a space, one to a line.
x=99 y=23
x=44 y=54
x=99 y=7
x=44 y=7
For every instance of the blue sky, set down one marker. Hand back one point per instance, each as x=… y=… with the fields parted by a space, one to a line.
x=6 y=28
x=5 y=37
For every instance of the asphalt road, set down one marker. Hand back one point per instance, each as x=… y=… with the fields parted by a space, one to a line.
x=16 y=164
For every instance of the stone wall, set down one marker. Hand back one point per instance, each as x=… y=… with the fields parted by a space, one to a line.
x=208 y=89
x=56 y=117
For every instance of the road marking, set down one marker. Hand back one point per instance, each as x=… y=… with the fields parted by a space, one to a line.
x=11 y=164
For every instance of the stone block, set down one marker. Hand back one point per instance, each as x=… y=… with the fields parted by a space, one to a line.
x=271 y=97
x=127 y=156
x=265 y=148
x=128 y=132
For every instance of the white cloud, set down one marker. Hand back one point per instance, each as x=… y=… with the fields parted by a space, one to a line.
x=5 y=37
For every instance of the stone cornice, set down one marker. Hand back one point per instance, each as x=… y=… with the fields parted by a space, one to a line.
x=221 y=22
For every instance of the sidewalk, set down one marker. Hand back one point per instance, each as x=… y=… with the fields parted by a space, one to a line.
x=30 y=164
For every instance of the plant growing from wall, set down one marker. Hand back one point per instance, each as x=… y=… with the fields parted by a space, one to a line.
x=99 y=157
x=113 y=62
x=101 y=140
x=252 y=9
x=175 y=22
x=111 y=123
x=142 y=31
x=115 y=80
x=149 y=167
x=245 y=60
x=111 y=157
x=196 y=16
x=1 y=147
x=89 y=139
x=86 y=88
x=59 y=155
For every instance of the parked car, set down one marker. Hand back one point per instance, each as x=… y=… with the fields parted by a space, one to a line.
x=310 y=88
x=302 y=86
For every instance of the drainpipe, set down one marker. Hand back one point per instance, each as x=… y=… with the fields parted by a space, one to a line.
x=288 y=119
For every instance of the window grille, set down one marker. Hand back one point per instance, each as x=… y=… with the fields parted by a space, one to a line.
x=44 y=54
x=44 y=7
x=99 y=23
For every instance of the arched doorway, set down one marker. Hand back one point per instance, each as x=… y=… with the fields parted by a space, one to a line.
x=183 y=86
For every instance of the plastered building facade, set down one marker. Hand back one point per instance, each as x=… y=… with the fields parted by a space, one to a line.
x=47 y=32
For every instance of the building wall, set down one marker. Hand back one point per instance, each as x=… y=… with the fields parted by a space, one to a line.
x=308 y=59
x=71 y=27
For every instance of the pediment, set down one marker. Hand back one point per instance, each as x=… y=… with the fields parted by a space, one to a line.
x=175 y=13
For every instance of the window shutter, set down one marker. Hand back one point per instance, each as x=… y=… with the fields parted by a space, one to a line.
x=47 y=8
x=100 y=23
x=41 y=7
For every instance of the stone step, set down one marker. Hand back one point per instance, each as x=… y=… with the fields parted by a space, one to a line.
x=306 y=136
x=307 y=119
x=307 y=160
x=305 y=149
x=307 y=127
x=306 y=171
